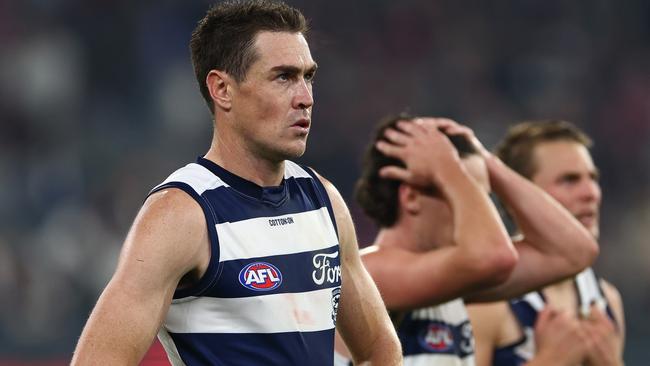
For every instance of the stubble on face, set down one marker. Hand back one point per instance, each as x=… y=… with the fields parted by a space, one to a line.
x=273 y=104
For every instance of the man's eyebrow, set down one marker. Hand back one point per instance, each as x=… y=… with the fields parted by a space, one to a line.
x=293 y=69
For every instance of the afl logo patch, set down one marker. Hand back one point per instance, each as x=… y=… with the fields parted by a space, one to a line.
x=260 y=276
x=437 y=337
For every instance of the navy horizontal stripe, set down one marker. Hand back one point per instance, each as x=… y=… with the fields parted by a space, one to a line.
x=234 y=349
x=508 y=356
x=297 y=271
x=232 y=205
x=413 y=336
x=524 y=311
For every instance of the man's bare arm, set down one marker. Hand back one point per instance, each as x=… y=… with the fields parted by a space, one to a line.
x=554 y=245
x=362 y=318
x=167 y=240
x=481 y=255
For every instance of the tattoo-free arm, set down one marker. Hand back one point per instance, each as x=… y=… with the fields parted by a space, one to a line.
x=167 y=240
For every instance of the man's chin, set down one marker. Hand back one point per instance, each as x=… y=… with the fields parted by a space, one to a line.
x=293 y=152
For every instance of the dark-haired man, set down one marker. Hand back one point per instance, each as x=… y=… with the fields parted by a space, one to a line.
x=441 y=241
x=575 y=321
x=244 y=257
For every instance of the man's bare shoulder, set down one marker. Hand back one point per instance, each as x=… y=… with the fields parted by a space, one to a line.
x=173 y=203
x=169 y=231
x=611 y=292
x=383 y=253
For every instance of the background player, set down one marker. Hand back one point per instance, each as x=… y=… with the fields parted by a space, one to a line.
x=569 y=322
x=441 y=240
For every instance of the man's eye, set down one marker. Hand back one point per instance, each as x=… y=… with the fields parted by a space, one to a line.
x=310 y=78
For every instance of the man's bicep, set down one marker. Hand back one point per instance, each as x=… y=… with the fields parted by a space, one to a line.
x=167 y=240
x=163 y=244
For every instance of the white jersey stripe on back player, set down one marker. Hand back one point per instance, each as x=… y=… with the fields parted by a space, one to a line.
x=428 y=359
x=452 y=312
x=589 y=292
x=265 y=236
x=285 y=312
x=535 y=300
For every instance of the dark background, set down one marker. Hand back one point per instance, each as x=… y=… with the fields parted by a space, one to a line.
x=98 y=104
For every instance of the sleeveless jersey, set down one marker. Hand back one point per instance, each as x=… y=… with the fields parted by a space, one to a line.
x=270 y=293
x=436 y=335
x=526 y=308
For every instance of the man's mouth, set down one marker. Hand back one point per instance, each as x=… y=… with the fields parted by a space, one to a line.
x=302 y=123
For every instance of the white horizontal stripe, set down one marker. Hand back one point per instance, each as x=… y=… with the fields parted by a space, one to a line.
x=428 y=359
x=292 y=169
x=287 y=312
x=452 y=312
x=535 y=301
x=196 y=176
x=286 y=234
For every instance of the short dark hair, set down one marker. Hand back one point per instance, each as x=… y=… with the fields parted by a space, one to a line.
x=224 y=38
x=377 y=196
x=518 y=146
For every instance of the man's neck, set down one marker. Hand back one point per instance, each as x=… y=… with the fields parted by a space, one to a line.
x=237 y=159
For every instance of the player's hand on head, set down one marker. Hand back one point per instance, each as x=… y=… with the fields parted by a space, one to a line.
x=422 y=147
x=605 y=346
x=454 y=128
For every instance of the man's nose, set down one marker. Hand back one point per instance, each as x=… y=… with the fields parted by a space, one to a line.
x=304 y=97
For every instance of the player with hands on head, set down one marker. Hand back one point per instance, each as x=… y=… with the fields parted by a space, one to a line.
x=442 y=243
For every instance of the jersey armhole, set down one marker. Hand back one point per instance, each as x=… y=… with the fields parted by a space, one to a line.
x=322 y=193
x=214 y=269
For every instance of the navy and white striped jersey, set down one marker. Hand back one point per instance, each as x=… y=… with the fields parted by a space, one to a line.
x=270 y=293
x=527 y=307
x=436 y=335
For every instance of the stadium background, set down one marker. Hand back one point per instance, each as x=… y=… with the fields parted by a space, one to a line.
x=98 y=104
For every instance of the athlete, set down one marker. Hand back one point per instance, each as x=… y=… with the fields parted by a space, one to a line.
x=578 y=320
x=244 y=257
x=441 y=241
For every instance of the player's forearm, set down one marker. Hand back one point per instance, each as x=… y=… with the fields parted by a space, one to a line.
x=118 y=332
x=545 y=224
x=487 y=241
x=385 y=350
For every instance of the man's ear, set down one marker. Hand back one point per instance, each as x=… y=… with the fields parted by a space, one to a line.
x=220 y=86
x=409 y=199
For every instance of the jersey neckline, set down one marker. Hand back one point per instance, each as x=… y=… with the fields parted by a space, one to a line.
x=271 y=194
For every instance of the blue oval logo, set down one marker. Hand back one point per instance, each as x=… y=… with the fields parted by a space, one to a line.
x=260 y=276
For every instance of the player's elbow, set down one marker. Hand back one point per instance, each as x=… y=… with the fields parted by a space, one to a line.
x=496 y=267
x=588 y=253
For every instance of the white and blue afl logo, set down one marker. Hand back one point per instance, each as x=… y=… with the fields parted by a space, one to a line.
x=260 y=276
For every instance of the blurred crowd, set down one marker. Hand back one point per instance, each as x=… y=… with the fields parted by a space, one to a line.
x=98 y=103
